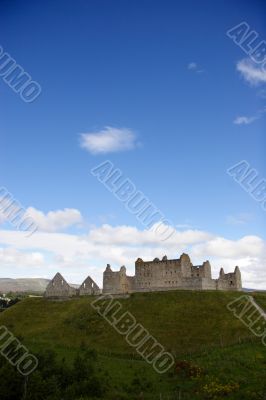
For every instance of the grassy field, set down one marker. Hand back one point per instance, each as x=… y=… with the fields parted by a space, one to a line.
x=194 y=326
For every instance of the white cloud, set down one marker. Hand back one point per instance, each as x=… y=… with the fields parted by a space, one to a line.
x=108 y=140
x=248 y=246
x=55 y=221
x=127 y=234
x=251 y=72
x=192 y=66
x=77 y=256
x=244 y=120
x=11 y=256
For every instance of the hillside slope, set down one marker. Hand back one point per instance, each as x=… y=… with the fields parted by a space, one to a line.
x=183 y=321
x=194 y=326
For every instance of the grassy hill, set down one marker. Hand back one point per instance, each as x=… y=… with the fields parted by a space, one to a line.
x=192 y=325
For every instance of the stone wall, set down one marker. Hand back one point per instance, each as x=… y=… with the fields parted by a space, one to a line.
x=156 y=275
x=88 y=287
x=58 y=287
x=209 y=284
x=231 y=281
x=161 y=275
x=117 y=282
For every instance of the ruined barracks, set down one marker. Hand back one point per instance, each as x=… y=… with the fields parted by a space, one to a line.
x=156 y=275
x=59 y=288
x=161 y=275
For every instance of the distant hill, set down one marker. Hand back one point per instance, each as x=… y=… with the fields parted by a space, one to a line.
x=25 y=285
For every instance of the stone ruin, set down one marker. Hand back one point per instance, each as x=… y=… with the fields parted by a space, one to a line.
x=162 y=275
x=59 y=288
x=156 y=275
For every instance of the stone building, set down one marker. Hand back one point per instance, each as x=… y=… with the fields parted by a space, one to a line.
x=161 y=275
x=116 y=282
x=156 y=275
x=88 y=287
x=59 y=288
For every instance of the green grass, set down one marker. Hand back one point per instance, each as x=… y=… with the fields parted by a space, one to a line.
x=260 y=299
x=184 y=322
x=193 y=325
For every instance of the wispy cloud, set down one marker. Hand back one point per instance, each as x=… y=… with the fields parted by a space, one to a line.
x=251 y=72
x=239 y=219
x=193 y=66
x=255 y=75
x=262 y=93
x=108 y=140
x=244 y=120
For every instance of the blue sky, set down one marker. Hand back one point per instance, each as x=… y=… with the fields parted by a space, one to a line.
x=166 y=72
